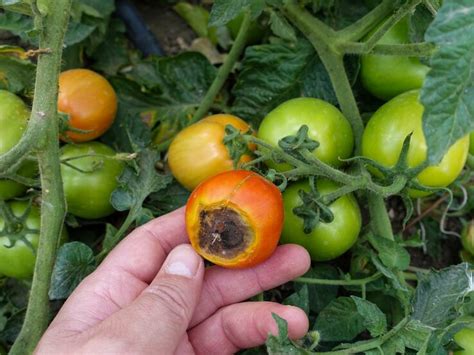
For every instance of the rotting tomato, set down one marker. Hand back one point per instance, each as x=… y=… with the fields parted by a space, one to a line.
x=19 y=239
x=387 y=129
x=386 y=76
x=326 y=125
x=14 y=115
x=234 y=219
x=89 y=172
x=465 y=339
x=89 y=100
x=198 y=151
x=327 y=240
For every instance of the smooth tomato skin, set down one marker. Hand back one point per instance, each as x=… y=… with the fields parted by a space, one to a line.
x=19 y=261
x=386 y=76
x=328 y=240
x=465 y=339
x=386 y=130
x=198 y=151
x=89 y=100
x=14 y=115
x=88 y=193
x=326 y=125
x=257 y=200
x=467 y=237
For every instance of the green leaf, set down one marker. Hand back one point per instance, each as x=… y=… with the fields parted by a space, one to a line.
x=113 y=54
x=281 y=344
x=374 y=319
x=390 y=274
x=390 y=253
x=339 y=321
x=281 y=28
x=16 y=23
x=111 y=237
x=136 y=184
x=418 y=23
x=20 y=6
x=177 y=84
x=280 y=72
x=17 y=74
x=299 y=299
x=74 y=262
x=130 y=131
x=440 y=293
x=77 y=32
x=165 y=201
x=225 y=10
x=320 y=295
x=448 y=91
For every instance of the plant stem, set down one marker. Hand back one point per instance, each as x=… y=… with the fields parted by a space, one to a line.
x=224 y=70
x=391 y=21
x=361 y=27
x=44 y=116
x=333 y=62
x=358 y=282
x=368 y=345
x=380 y=222
x=119 y=234
x=424 y=49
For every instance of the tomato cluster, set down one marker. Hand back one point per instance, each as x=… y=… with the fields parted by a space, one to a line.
x=89 y=170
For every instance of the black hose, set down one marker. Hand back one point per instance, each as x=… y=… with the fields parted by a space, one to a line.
x=137 y=30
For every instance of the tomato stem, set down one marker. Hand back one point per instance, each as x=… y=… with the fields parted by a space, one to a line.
x=42 y=134
x=424 y=49
x=360 y=28
x=224 y=70
x=357 y=282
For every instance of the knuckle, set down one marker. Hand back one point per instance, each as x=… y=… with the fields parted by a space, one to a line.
x=170 y=296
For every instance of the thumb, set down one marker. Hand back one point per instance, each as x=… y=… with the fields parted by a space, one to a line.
x=158 y=319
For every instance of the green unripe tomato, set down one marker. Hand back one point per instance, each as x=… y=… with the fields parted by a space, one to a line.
x=467 y=237
x=465 y=339
x=386 y=76
x=88 y=190
x=326 y=125
x=255 y=32
x=18 y=261
x=386 y=130
x=14 y=117
x=328 y=240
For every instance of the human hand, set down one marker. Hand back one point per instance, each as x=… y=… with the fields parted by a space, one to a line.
x=152 y=294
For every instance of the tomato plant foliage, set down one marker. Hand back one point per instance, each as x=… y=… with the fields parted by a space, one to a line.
x=399 y=285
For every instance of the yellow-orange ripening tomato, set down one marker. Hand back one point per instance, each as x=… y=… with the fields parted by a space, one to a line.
x=198 y=151
x=234 y=219
x=89 y=100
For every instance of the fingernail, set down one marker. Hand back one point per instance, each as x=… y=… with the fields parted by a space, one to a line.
x=182 y=261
